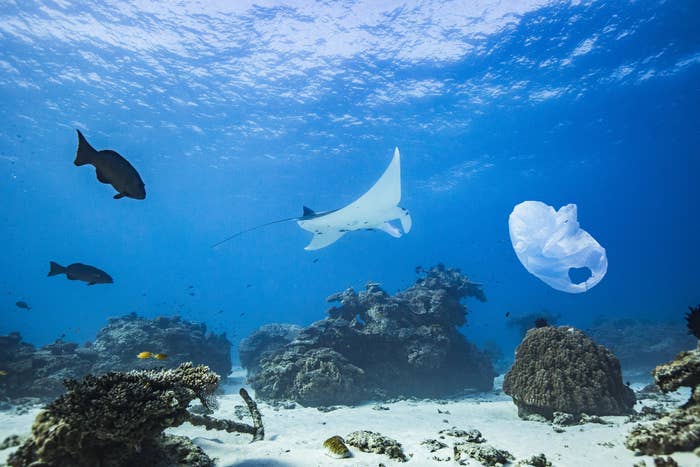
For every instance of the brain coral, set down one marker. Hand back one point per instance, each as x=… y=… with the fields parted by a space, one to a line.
x=560 y=369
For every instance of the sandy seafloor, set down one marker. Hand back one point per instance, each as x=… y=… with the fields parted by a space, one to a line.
x=294 y=437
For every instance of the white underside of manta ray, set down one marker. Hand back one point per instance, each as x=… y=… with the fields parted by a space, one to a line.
x=375 y=210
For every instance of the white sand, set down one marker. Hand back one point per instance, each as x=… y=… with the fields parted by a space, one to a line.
x=294 y=437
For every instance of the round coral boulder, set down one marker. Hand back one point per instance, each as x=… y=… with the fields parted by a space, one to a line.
x=560 y=369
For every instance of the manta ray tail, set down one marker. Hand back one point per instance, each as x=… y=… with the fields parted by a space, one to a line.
x=253 y=228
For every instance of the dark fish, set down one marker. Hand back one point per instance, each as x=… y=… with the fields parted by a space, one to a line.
x=247 y=286
x=81 y=272
x=243 y=313
x=507 y=314
x=315 y=260
x=111 y=168
x=419 y=269
x=23 y=305
x=541 y=323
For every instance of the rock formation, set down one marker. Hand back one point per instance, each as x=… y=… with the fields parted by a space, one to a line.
x=560 y=369
x=679 y=430
x=265 y=341
x=122 y=338
x=373 y=345
x=32 y=372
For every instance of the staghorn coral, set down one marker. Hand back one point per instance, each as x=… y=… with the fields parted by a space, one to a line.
x=560 y=369
x=374 y=345
x=117 y=419
x=679 y=430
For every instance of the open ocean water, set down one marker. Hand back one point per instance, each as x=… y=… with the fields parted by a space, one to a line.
x=240 y=113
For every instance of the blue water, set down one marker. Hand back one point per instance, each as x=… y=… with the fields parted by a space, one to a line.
x=238 y=115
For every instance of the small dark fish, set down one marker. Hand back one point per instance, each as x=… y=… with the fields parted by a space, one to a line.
x=111 y=168
x=191 y=294
x=243 y=313
x=507 y=314
x=81 y=272
x=247 y=286
x=541 y=323
x=419 y=269
x=627 y=384
x=23 y=305
x=190 y=286
x=219 y=312
x=315 y=260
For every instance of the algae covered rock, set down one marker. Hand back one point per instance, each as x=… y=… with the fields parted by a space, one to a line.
x=560 y=369
x=117 y=419
x=317 y=377
x=381 y=346
x=679 y=430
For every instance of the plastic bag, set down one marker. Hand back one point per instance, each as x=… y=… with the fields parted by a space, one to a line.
x=552 y=247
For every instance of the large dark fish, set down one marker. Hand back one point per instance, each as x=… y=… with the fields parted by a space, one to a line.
x=22 y=304
x=111 y=168
x=81 y=272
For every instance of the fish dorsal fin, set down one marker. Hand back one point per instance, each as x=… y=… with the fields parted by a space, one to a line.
x=308 y=212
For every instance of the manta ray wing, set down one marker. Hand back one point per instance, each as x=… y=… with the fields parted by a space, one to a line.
x=373 y=210
x=323 y=239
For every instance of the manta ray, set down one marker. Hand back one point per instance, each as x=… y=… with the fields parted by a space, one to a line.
x=374 y=210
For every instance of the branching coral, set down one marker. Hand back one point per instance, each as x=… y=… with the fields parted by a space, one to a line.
x=118 y=419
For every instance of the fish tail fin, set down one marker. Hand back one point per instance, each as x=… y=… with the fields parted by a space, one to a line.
x=56 y=269
x=85 y=152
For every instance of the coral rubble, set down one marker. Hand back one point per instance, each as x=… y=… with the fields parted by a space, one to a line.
x=118 y=419
x=369 y=441
x=679 y=430
x=483 y=453
x=373 y=345
x=560 y=369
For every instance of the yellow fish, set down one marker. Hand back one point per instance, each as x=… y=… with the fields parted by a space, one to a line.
x=160 y=356
x=3 y=373
x=143 y=355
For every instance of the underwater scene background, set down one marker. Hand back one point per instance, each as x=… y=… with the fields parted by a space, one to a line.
x=238 y=113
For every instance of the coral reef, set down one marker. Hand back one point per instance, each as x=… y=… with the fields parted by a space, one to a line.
x=122 y=338
x=679 y=430
x=118 y=419
x=539 y=460
x=266 y=340
x=629 y=340
x=369 y=441
x=32 y=372
x=373 y=345
x=560 y=369
x=40 y=373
